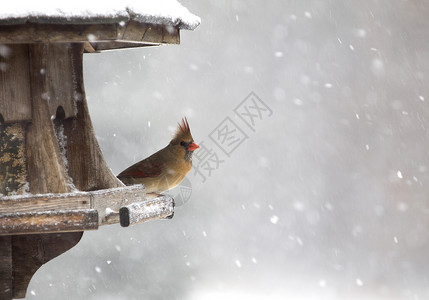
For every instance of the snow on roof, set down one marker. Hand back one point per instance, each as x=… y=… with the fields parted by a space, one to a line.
x=167 y=12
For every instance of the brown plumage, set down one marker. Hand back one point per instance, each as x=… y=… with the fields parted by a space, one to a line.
x=166 y=168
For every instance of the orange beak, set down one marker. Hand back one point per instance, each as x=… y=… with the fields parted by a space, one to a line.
x=193 y=147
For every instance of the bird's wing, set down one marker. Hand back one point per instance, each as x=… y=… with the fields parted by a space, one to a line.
x=142 y=169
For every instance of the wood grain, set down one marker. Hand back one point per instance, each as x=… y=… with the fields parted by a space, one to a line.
x=112 y=200
x=154 y=34
x=15 y=101
x=5 y=267
x=48 y=221
x=106 y=202
x=46 y=172
x=51 y=33
x=44 y=202
x=31 y=251
x=59 y=80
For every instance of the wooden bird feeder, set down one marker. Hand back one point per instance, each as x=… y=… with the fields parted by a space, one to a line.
x=54 y=182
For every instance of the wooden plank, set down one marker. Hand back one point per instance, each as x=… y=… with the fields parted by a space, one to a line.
x=89 y=47
x=46 y=171
x=50 y=33
x=150 y=33
x=5 y=267
x=12 y=160
x=105 y=46
x=154 y=34
x=139 y=212
x=45 y=202
x=134 y=31
x=15 y=101
x=59 y=80
x=107 y=202
x=171 y=35
x=48 y=221
x=121 y=27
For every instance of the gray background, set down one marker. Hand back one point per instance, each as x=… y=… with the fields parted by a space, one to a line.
x=326 y=199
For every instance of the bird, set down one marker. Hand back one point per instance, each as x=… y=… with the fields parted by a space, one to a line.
x=166 y=168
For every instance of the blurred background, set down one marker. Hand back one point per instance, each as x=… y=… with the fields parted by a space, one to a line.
x=322 y=193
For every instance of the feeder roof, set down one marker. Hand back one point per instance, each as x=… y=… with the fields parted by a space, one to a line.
x=162 y=12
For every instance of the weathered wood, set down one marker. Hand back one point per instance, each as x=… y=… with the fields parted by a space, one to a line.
x=107 y=202
x=105 y=46
x=48 y=221
x=59 y=77
x=132 y=31
x=86 y=164
x=31 y=251
x=171 y=35
x=148 y=33
x=5 y=267
x=51 y=33
x=44 y=202
x=154 y=34
x=88 y=47
x=139 y=212
x=46 y=173
x=15 y=102
x=12 y=160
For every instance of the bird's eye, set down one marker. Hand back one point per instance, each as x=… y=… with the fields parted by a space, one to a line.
x=182 y=143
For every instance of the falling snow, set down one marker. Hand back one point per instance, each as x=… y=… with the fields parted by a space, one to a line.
x=238 y=263
x=274 y=219
x=298 y=102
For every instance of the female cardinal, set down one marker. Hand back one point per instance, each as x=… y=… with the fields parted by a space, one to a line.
x=166 y=168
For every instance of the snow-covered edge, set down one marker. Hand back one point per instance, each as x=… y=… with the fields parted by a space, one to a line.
x=166 y=12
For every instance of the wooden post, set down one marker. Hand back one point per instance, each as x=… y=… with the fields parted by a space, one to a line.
x=6 y=267
x=46 y=172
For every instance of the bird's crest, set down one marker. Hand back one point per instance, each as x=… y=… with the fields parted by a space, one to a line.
x=183 y=131
x=184 y=126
